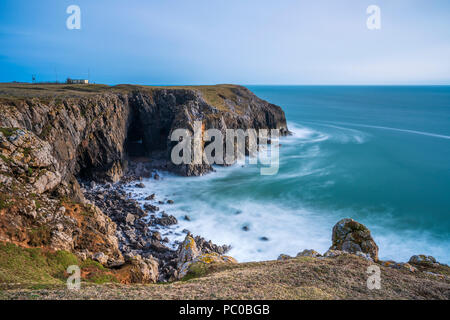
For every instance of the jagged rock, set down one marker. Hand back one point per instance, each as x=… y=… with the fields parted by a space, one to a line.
x=156 y=235
x=150 y=197
x=208 y=247
x=399 y=265
x=130 y=218
x=101 y=258
x=189 y=254
x=284 y=257
x=140 y=185
x=364 y=255
x=351 y=236
x=333 y=253
x=187 y=251
x=143 y=270
x=166 y=220
x=187 y=218
x=423 y=260
x=170 y=202
x=30 y=158
x=151 y=208
x=309 y=253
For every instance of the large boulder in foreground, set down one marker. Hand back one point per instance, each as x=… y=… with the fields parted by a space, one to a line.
x=353 y=237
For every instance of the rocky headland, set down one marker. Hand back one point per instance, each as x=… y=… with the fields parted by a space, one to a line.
x=52 y=137
x=67 y=153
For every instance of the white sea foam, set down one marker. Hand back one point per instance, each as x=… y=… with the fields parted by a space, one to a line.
x=424 y=133
x=211 y=203
x=342 y=134
x=303 y=134
x=289 y=230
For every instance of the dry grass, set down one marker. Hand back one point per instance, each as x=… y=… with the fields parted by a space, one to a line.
x=215 y=95
x=295 y=279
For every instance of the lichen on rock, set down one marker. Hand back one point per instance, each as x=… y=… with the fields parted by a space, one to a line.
x=353 y=237
x=190 y=255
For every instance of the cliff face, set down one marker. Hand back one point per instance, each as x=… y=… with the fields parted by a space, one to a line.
x=52 y=134
x=91 y=134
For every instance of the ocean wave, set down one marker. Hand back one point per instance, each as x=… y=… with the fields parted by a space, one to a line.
x=343 y=134
x=424 y=133
x=303 y=134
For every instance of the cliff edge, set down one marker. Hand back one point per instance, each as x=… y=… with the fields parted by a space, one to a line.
x=52 y=136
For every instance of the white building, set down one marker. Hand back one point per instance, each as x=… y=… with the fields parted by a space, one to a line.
x=77 y=81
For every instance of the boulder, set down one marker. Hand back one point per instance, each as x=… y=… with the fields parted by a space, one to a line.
x=284 y=257
x=143 y=270
x=333 y=253
x=422 y=260
x=101 y=258
x=189 y=254
x=187 y=251
x=151 y=208
x=399 y=265
x=206 y=258
x=353 y=237
x=150 y=197
x=130 y=218
x=309 y=253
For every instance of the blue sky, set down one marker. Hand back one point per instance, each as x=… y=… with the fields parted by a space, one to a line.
x=227 y=41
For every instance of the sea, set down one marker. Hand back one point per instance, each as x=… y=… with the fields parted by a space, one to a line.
x=377 y=154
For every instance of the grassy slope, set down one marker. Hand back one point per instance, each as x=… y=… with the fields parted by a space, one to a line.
x=36 y=267
x=343 y=277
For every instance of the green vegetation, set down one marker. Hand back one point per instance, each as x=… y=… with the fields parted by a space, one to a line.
x=197 y=270
x=45 y=132
x=40 y=236
x=26 y=151
x=5 y=159
x=4 y=203
x=7 y=132
x=40 y=268
x=11 y=93
x=33 y=265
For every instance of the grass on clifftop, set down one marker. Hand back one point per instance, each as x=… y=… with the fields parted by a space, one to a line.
x=343 y=277
x=33 y=265
x=39 y=267
x=215 y=95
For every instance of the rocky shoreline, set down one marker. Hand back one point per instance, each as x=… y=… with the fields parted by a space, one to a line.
x=67 y=156
x=139 y=227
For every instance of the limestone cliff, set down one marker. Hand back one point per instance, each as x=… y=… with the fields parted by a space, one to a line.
x=53 y=134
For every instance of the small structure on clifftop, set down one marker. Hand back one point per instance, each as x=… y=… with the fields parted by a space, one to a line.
x=77 y=81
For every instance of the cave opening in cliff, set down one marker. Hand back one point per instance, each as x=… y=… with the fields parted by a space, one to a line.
x=136 y=143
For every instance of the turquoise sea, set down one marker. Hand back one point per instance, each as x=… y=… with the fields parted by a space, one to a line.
x=380 y=155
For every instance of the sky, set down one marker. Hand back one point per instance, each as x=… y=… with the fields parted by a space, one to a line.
x=283 y=42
